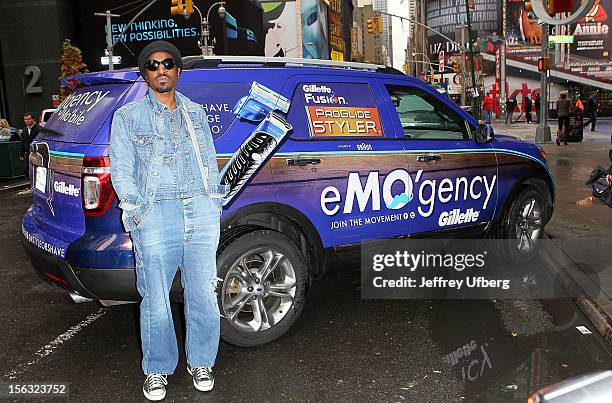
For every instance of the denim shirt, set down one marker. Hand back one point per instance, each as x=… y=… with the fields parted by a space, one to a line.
x=137 y=154
x=180 y=176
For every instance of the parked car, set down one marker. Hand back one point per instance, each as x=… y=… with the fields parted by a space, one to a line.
x=305 y=146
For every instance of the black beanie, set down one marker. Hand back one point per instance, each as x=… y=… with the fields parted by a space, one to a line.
x=158 y=46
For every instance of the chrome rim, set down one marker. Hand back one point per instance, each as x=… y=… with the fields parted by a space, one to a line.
x=258 y=290
x=529 y=225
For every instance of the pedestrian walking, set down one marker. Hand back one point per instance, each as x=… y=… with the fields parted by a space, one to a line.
x=488 y=108
x=537 y=107
x=162 y=143
x=510 y=105
x=592 y=109
x=28 y=134
x=563 y=117
x=528 y=107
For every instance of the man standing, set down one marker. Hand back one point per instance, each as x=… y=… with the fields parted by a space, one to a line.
x=510 y=105
x=28 y=134
x=537 y=108
x=528 y=106
x=592 y=109
x=488 y=108
x=164 y=171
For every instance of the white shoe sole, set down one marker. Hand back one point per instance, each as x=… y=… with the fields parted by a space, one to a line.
x=206 y=388
x=153 y=398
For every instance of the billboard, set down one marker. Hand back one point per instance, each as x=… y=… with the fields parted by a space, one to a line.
x=523 y=33
x=445 y=15
x=280 y=28
x=239 y=33
x=314 y=29
x=592 y=36
x=336 y=39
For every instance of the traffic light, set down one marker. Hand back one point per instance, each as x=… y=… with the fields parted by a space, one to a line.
x=177 y=7
x=560 y=6
x=543 y=64
x=379 y=24
x=188 y=8
x=371 y=25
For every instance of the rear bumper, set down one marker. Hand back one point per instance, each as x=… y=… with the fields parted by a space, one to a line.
x=111 y=284
x=94 y=283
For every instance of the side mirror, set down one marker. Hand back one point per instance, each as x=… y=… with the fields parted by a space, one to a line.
x=484 y=133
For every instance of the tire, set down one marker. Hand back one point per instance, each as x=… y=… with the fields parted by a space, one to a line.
x=257 y=308
x=522 y=226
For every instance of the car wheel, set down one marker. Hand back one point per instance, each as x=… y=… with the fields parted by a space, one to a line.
x=264 y=285
x=522 y=227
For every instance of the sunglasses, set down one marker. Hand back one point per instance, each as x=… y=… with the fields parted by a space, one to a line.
x=153 y=65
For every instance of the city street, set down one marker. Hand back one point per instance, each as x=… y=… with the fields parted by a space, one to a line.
x=324 y=175
x=342 y=348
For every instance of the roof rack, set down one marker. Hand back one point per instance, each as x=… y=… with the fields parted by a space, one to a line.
x=214 y=61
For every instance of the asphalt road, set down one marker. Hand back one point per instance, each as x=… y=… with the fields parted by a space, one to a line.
x=341 y=349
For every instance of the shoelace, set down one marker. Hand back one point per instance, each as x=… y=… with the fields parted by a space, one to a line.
x=156 y=381
x=202 y=373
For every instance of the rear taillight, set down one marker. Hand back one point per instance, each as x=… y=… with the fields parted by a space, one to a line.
x=97 y=190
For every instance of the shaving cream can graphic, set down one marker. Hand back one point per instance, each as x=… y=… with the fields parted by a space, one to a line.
x=267 y=107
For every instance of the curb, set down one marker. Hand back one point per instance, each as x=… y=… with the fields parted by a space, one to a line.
x=14 y=186
x=597 y=315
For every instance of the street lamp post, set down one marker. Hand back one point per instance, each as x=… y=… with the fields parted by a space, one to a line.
x=206 y=25
x=109 y=36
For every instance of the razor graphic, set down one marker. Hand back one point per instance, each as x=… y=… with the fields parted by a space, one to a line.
x=40 y=152
x=253 y=153
x=260 y=101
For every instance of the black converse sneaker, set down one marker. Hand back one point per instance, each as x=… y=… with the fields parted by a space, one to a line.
x=154 y=387
x=203 y=379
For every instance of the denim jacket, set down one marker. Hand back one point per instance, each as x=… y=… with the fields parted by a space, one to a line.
x=137 y=151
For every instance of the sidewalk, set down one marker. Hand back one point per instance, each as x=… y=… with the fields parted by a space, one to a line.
x=572 y=227
x=6 y=184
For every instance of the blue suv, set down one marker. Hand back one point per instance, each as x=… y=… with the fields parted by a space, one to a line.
x=318 y=156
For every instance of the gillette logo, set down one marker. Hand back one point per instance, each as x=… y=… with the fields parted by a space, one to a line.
x=455 y=217
x=428 y=192
x=69 y=190
x=316 y=88
x=326 y=95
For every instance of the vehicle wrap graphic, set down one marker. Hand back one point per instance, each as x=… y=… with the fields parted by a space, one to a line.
x=80 y=116
x=376 y=191
x=341 y=109
x=56 y=217
x=265 y=106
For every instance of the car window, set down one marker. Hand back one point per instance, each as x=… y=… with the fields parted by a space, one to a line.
x=423 y=116
x=47 y=115
x=218 y=100
x=334 y=110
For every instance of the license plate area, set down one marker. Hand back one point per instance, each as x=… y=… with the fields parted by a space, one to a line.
x=40 y=179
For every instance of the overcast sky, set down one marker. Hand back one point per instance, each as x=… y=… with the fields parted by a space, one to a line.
x=400 y=31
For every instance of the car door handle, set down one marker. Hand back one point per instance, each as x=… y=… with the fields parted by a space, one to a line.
x=428 y=157
x=300 y=162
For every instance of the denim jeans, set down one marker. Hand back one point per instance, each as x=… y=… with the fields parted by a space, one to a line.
x=179 y=233
x=488 y=116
